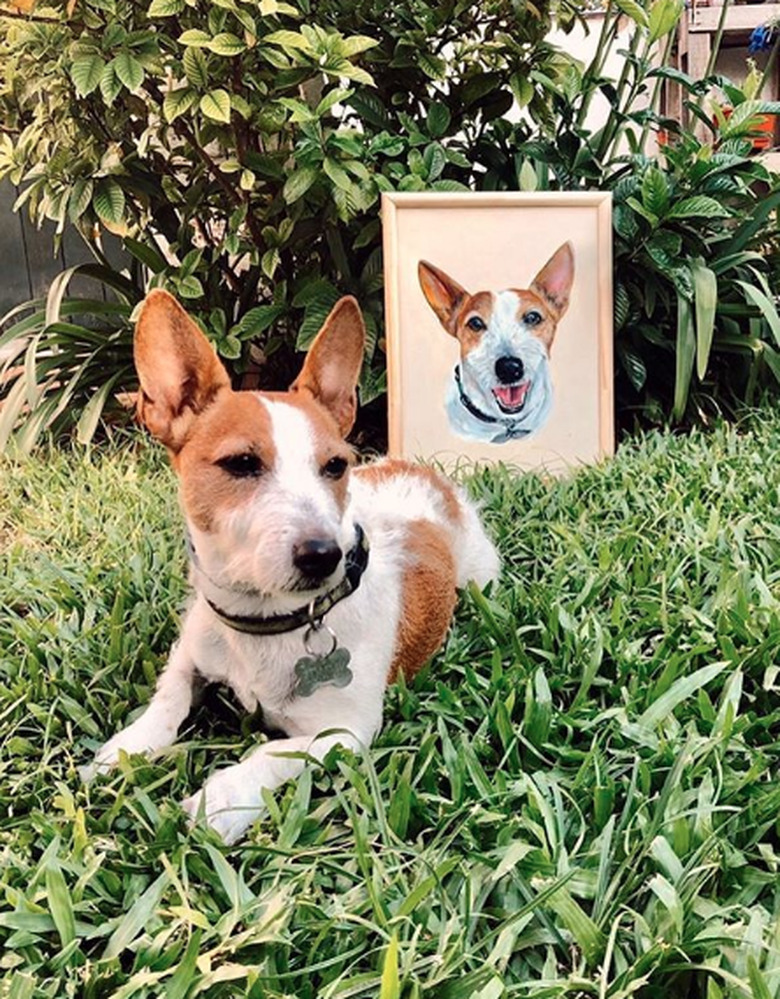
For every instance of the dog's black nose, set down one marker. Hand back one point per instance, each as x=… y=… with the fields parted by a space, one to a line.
x=509 y=370
x=317 y=557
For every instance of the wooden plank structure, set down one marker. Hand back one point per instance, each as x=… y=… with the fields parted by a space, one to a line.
x=28 y=263
x=693 y=52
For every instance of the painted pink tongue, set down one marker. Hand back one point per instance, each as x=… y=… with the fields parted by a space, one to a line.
x=511 y=396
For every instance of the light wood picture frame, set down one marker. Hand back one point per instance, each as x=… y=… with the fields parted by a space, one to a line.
x=499 y=327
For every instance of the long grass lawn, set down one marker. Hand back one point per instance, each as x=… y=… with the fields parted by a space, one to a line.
x=579 y=796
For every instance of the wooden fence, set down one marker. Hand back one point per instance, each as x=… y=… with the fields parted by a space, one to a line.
x=27 y=259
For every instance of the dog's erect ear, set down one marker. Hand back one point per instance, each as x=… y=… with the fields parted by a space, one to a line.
x=179 y=372
x=332 y=367
x=442 y=294
x=553 y=282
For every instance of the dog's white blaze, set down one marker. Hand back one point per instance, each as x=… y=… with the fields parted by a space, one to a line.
x=508 y=334
x=298 y=484
x=503 y=321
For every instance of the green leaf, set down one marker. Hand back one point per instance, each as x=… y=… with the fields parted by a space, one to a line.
x=679 y=691
x=655 y=191
x=667 y=894
x=269 y=262
x=298 y=183
x=148 y=256
x=226 y=44
x=195 y=67
x=587 y=935
x=522 y=89
x=664 y=15
x=699 y=206
x=129 y=70
x=86 y=73
x=189 y=287
x=684 y=355
x=434 y=160
x=390 y=987
x=635 y=11
x=80 y=198
x=196 y=37
x=371 y=109
x=137 y=917
x=60 y=904
x=110 y=84
x=93 y=410
x=356 y=43
x=339 y=176
x=765 y=306
x=449 y=185
x=165 y=8
x=290 y=41
x=432 y=66
x=109 y=201
x=216 y=105
x=229 y=347
x=178 y=102
x=705 y=297
x=438 y=119
x=336 y=96
x=258 y=320
x=350 y=72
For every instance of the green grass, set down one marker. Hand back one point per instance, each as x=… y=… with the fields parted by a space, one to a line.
x=579 y=796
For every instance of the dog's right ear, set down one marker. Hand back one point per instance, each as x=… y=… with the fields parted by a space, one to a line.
x=442 y=294
x=179 y=372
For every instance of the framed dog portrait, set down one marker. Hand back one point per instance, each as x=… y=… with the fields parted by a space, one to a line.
x=499 y=327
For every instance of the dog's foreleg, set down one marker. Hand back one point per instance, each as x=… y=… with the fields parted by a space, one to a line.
x=156 y=728
x=232 y=798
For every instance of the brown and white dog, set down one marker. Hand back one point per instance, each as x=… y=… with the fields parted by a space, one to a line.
x=315 y=584
x=501 y=389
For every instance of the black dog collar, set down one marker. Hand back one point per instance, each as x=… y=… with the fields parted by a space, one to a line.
x=508 y=427
x=469 y=405
x=277 y=624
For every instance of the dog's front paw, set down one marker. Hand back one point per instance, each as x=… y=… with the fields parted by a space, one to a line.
x=228 y=802
x=106 y=758
x=136 y=738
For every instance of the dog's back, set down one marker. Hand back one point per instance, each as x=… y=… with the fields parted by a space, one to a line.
x=427 y=529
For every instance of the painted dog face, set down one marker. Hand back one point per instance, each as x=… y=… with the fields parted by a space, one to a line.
x=505 y=338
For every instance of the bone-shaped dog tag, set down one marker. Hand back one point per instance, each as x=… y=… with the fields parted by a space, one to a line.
x=313 y=672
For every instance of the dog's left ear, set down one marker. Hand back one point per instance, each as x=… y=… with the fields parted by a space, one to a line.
x=332 y=367
x=553 y=282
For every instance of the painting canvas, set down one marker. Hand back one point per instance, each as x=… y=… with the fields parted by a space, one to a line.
x=499 y=327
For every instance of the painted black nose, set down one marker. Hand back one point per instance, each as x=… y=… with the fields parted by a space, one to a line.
x=317 y=557
x=509 y=370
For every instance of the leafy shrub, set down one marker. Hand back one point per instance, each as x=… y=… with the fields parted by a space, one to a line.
x=240 y=147
x=695 y=227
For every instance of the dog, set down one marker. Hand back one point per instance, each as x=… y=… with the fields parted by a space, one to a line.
x=315 y=583
x=501 y=390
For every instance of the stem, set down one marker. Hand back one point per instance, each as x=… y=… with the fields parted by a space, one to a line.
x=718 y=38
x=606 y=38
x=715 y=48
x=659 y=82
x=610 y=139
x=770 y=63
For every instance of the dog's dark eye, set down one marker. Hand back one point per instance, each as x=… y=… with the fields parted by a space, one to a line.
x=532 y=318
x=476 y=324
x=335 y=468
x=241 y=466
